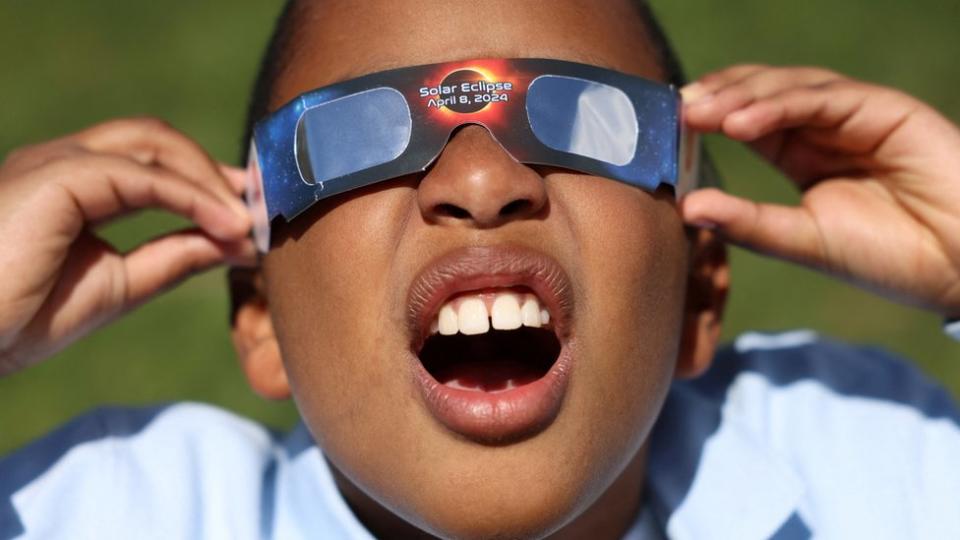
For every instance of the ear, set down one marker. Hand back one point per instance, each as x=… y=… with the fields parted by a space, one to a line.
x=253 y=335
x=707 y=288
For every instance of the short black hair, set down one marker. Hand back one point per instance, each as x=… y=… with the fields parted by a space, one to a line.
x=278 y=54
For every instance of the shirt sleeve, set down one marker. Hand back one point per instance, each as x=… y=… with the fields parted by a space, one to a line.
x=792 y=435
x=874 y=441
x=177 y=471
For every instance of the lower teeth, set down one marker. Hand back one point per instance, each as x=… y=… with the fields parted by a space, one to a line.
x=495 y=376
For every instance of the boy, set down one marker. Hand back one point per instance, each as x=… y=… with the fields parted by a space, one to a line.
x=824 y=440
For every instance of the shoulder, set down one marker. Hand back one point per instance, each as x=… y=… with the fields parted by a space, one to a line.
x=805 y=384
x=807 y=366
x=155 y=468
x=848 y=437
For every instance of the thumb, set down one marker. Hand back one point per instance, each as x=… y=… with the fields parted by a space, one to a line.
x=781 y=231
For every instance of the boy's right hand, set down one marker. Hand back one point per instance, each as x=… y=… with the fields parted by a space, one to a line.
x=59 y=280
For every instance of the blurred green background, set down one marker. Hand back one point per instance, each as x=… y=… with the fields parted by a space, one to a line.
x=68 y=64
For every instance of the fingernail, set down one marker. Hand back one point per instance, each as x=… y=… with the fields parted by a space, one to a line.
x=232 y=222
x=702 y=101
x=236 y=177
x=240 y=210
x=695 y=93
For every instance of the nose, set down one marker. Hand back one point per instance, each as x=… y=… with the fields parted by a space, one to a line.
x=476 y=183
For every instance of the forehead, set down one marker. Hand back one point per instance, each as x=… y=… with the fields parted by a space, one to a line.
x=337 y=40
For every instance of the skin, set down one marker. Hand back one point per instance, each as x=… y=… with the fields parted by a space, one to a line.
x=860 y=154
x=341 y=331
x=326 y=322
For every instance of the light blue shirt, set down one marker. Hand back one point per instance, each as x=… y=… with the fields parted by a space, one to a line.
x=786 y=436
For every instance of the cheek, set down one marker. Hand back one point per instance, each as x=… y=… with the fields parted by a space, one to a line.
x=329 y=286
x=630 y=304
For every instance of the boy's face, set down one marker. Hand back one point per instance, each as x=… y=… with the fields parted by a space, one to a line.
x=339 y=283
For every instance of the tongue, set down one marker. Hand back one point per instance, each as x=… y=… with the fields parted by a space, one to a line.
x=488 y=376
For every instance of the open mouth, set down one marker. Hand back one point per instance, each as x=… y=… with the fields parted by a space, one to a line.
x=490 y=341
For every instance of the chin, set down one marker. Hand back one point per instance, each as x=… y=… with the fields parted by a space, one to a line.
x=528 y=490
x=525 y=513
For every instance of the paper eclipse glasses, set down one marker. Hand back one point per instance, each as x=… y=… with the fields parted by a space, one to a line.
x=545 y=112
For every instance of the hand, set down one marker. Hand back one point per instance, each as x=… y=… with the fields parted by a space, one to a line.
x=60 y=281
x=879 y=171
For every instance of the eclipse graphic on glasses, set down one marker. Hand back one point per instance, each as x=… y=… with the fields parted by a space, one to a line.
x=385 y=125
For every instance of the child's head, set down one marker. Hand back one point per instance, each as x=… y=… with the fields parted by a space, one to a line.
x=336 y=313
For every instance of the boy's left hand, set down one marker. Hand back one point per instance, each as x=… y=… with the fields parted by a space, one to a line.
x=879 y=171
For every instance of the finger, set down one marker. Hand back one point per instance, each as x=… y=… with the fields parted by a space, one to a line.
x=709 y=113
x=164 y=262
x=101 y=187
x=770 y=81
x=22 y=160
x=152 y=141
x=235 y=176
x=786 y=232
x=765 y=79
x=709 y=83
x=845 y=116
x=805 y=162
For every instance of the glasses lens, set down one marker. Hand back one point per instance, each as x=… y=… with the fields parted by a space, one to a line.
x=352 y=133
x=583 y=117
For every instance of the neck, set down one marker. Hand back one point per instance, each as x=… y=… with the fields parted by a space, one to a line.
x=609 y=518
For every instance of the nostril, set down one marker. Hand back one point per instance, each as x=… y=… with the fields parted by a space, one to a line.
x=451 y=210
x=519 y=206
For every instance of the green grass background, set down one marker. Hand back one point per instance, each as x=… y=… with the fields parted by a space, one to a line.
x=68 y=64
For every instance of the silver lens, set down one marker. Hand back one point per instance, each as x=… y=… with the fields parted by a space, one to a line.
x=583 y=117
x=352 y=133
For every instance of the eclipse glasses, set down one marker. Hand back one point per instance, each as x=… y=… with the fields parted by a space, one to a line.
x=393 y=123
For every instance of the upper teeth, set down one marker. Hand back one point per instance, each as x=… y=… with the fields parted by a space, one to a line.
x=475 y=314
